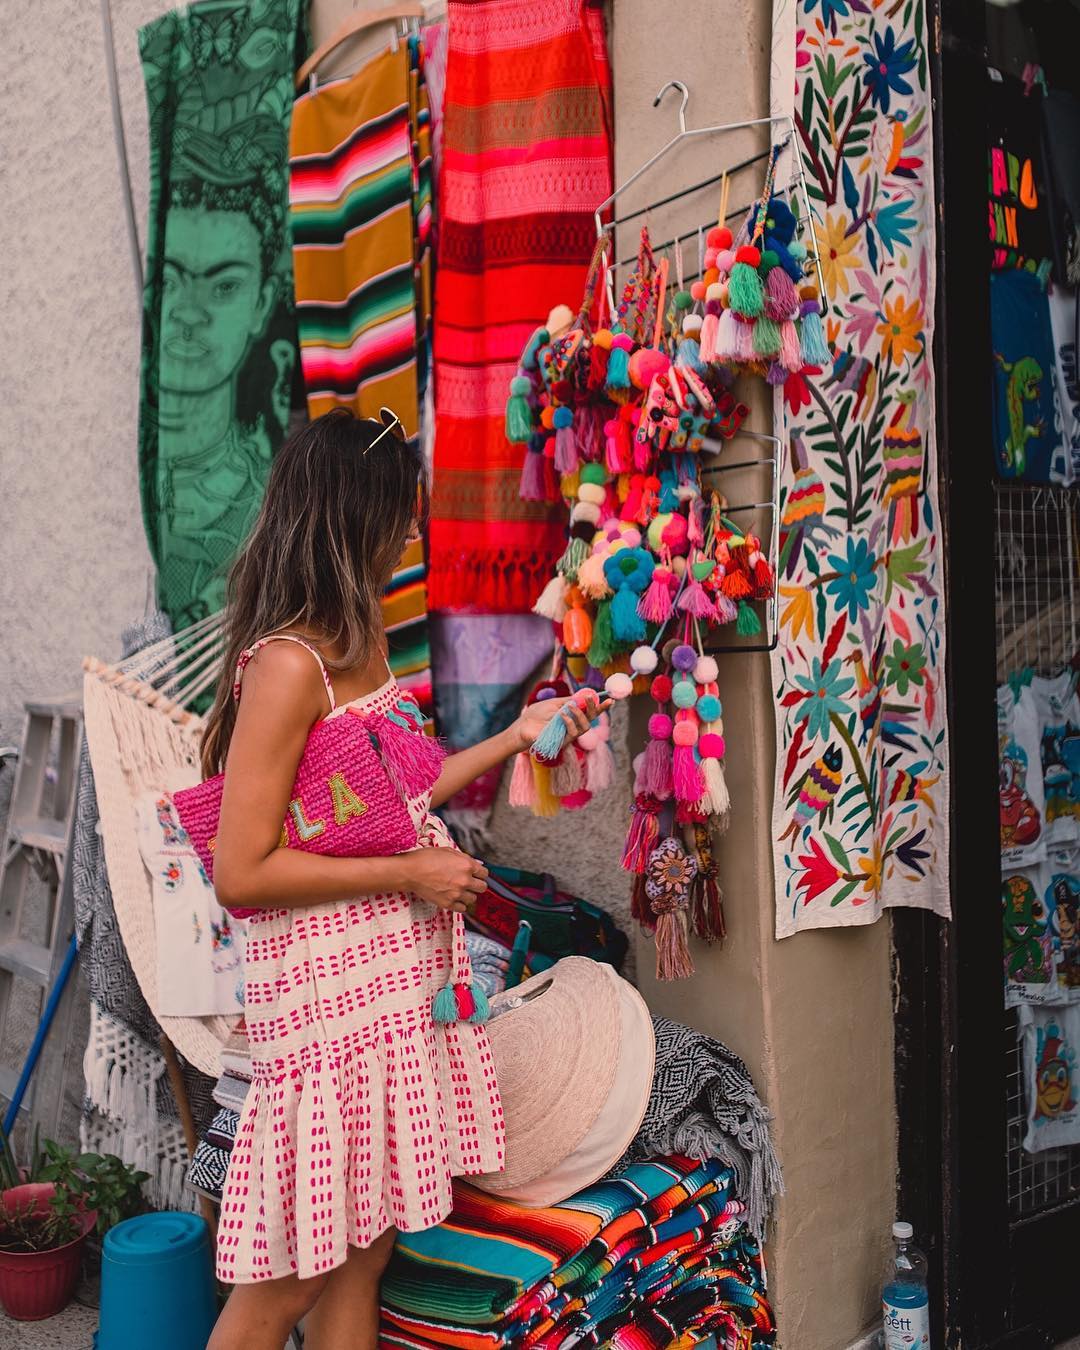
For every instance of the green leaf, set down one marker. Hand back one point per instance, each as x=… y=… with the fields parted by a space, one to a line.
x=904 y=563
x=808 y=104
x=892 y=839
x=837 y=850
x=843 y=893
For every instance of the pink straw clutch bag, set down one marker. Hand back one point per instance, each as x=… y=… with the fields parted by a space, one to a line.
x=352 y=782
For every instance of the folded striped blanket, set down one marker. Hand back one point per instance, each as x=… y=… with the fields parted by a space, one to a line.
x=660 y=1247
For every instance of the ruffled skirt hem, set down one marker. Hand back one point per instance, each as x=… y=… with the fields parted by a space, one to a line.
x=329 y=1158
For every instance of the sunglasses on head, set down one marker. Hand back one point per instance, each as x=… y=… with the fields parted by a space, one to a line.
x=391 y=426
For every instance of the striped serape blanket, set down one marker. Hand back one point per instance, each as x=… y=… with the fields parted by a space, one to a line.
x=361 y=211
x=660 y=1251
x=526 y=158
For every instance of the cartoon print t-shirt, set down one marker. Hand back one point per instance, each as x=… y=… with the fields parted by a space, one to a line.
x=200 y=948
x=1027 y=937
x=1050 y=1038
x=1059 y=731
x=1020 y=780
x=1040 y=916
x=1028 y=439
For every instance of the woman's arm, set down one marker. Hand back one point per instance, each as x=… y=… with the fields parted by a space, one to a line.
x=283 y=698
x=459 y=770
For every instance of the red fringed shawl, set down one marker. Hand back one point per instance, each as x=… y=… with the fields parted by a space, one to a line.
x=526 y=161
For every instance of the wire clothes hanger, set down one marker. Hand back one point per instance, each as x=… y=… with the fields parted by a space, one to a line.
x=689 y=133
x=356 y=23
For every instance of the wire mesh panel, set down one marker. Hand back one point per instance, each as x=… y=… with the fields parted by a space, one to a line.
x=1037 y=592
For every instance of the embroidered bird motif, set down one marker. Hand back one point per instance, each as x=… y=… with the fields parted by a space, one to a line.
x=902 y=453
x=803 y=517
x=853 y=374
x=869 y=691
x=903 y=785
x=816 y=792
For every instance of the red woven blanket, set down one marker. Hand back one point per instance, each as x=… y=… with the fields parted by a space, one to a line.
x=526 y=161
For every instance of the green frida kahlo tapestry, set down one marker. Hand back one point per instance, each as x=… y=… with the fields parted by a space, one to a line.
x=219 y=339
x=860 y=809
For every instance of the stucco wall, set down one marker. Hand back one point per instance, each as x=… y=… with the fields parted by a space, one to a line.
x=811 y=1015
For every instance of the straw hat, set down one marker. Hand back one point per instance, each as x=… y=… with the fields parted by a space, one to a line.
x=574 y=1055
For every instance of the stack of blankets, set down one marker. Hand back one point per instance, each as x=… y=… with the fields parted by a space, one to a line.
x=657 y=1257
x=210 y=1162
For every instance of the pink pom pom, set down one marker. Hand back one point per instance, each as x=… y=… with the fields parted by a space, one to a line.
x=645 y=364
x=589 y=740
x=684 y=733
x=725 y=260
x=697 y=290
x=660 y=726
x=623 y=340
x=619 y=685
x=711 y=746
x=710 y=257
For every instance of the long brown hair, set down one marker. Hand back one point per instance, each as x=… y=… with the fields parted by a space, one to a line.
x=333 y=525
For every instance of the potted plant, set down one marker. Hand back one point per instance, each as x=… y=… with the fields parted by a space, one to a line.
x=47 y=1212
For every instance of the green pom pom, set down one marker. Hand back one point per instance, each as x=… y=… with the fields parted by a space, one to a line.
x=483 y=1007
x=603 y=637
x=744 y=291
x=594 y=473
x=769 y=259
x=683 y=299
x=747 y=624
x=444 y=1006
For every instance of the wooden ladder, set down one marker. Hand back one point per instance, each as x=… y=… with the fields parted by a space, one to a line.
x=35 y=885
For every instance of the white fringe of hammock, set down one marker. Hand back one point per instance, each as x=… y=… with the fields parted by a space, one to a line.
x=142 y=736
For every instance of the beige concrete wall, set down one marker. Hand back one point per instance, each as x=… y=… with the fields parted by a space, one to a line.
x=811 y=1015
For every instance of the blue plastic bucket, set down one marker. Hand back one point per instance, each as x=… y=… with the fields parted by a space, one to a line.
x=157 y=1284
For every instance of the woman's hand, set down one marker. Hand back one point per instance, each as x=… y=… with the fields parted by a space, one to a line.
x=444 y=877
x=537 y=715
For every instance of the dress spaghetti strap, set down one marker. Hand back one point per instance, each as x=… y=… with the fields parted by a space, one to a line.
x=247 y=655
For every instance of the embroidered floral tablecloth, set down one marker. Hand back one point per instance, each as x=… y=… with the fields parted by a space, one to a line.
x=861 y=804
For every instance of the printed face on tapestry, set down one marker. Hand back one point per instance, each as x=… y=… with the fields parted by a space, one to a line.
x=216 y=299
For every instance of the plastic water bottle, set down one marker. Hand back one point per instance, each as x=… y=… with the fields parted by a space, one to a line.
x=905 y=1301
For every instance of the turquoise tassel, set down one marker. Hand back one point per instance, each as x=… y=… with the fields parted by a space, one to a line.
x=618 y=369
x=483 y=1007
x=815 y=350
x=444 y=1005
x=548 y=745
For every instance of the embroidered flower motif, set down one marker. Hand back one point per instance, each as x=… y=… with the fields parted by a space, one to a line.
x=836 y=248
x=669 y=874
x=901 y=330
x=904 y=666
x=872 y=867
x=854 y=578
x=886 y=67
x=826 y=689
x=820 y=873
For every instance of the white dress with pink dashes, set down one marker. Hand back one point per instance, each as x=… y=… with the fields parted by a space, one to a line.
x=361 y=1107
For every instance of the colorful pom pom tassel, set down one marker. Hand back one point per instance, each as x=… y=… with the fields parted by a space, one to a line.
x=815 y=350
x=519 y=422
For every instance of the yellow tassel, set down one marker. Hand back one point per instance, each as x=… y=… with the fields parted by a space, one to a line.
x=546 y=804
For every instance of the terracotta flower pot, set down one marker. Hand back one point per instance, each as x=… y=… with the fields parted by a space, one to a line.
x=35 y=1285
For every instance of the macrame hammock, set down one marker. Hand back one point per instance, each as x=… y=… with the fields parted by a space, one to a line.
x=142 y=735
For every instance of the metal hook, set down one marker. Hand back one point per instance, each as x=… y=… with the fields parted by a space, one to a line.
x=676 y=84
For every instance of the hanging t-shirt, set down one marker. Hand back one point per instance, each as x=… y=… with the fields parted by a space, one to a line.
x=1020 y=785
x=1018 y=220
x=1027 y=431
x=1050 y=1038
x=200 y=948
x=1028 y=937
x=1059 y=734
x=1062 y=902
x=1063 y=326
